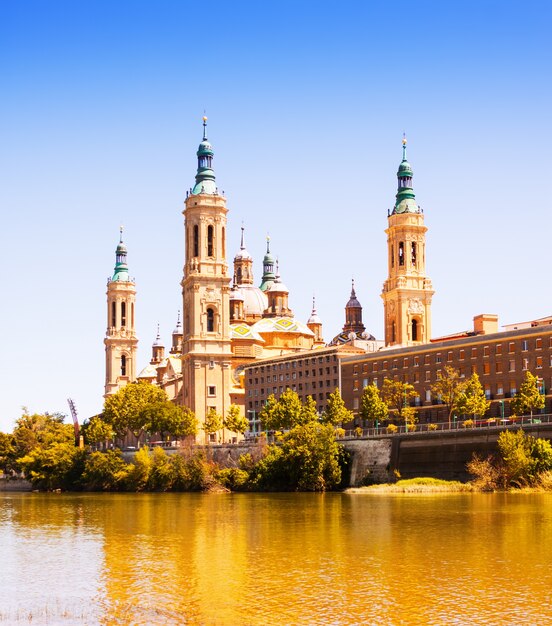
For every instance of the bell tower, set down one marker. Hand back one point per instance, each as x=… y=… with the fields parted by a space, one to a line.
x=120 y=339
x=407 y=292
x=206 y=346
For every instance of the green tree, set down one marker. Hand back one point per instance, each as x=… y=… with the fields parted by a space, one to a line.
x=167 y=417
x=212 y=424
x=40 y=431
x=105 y=471
x=134 y=407
x=309 y=411
x=523 y=457
x=336 y=412
x=372 y=406
x=410 y=417
x=235 y=421
x=473 y=400
x=397 y=395
x=7 y=452
x=55 y=466
x=449 y=388
x=96 y=430
x=285 y=412
x=528 y=397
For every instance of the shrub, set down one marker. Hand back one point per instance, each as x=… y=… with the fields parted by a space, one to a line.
x=432 y=426
x=392 y=428
x=233 y=478
x=486 y=474
x=358 y=431
x=468 y=423
x=105 y=471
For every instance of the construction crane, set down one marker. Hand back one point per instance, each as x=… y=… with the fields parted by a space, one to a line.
x=73 y=410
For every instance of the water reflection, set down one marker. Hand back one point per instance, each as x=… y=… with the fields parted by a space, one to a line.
x=278 y=558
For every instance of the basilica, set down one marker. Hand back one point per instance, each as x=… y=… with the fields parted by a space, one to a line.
x=229 y=322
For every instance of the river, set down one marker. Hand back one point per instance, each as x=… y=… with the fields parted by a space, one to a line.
x=275 y=559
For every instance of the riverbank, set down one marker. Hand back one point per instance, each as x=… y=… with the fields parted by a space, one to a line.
x=415 y=485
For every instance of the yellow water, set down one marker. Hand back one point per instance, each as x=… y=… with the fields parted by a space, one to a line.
x=275 y=559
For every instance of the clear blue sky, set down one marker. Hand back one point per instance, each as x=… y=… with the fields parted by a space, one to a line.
x=100 y=117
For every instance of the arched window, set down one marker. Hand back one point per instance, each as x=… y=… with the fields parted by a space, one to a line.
x=123 y=313
x=413 y=253
x=239 y=276
x=393 y=331
x=123 y=365
x=196 y=240
x=210 y=321
x=401 y=252
x=392 y=256
x=132 y=315
x=113 y=314
x=414 y=330
x=210 y=241
x=223 y=243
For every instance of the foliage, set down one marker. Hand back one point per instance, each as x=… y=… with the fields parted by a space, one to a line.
x=53 y=467
x=358 y=431
x=472 y=400
x=410 y=416
x=213 y=422
x=135 y=407
x=397 y=395
x=469 y=423
x=105 y=471
x=432 y=426
x=7 y=452
x=485 y=472
x=392 y=428
x=40 y=430
x=140 y=470
x=97 y=430
x=523 y=457
x=167 y=417
x=307 y=460
x=235 y=421
x=372 y=406
x=233 y=478
x=336 y=412
x=528 y=397
x=449 y=388
x=283 y=413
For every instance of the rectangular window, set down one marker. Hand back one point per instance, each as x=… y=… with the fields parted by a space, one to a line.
x=364 y=382
x=355 y=370
x=355 y=404
x=498 y=367
x=485 y=350
x=449 y=356
x=462 y=355
x=488 y=392
x=525 y=364
x=538 y=343
x=474 y=353
x=355 y=385
x=405 y=362
x=416 y=361
x=385 y=365
x=438 y=358
x=539 y=363
x=375 y=367
x=428 y=395
x=498 y=349
x=486 y=367
x=427 y=359
x=395 y=364
x=511 y=365
x=365 y=368
x=511 y=347
x=211 y=391
x=416 y=377
x=427 y=376
x=524 y=345
x=513 y=389
x=499 y=389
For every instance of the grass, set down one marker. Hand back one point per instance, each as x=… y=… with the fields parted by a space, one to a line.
x=416 y=485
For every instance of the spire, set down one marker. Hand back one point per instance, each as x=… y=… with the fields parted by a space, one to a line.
x=158 y=341
x=178 y=329
x=353 y=313
x=242 y=244
x=121 y=268
x=268 y=268
x=205 y=177
x=405 y=198
x=313 y=319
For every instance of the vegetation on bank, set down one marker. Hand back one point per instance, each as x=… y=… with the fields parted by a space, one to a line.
x=304 y=457
x=416 y=485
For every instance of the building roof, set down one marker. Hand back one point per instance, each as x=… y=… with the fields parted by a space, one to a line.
x=282 y=325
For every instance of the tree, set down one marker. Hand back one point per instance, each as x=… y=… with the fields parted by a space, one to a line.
x=449 y=388
x=410 y=416
x=235 y=421
x=40 y=430
x=372 y=407
x=285 y=412
x=53 y=466
x=212 y=424
x=336 y=412
x=309 y=412
x=473 y=400
x=528 y=397
x=7 y=451
x=96 y=430
x=105 y=471
x=167 y=417
x=397 y=395
x=134 y=407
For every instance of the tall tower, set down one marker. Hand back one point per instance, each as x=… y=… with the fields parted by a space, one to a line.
x=206 y=347
x=407 y=292
x=120 y=339
x=353 y=314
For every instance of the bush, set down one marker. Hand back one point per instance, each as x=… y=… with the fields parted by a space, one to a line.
x=233 y=478
x=468 y=423
x=486 y=474
x=432 y=426
x=392 y=428
x=105 y=471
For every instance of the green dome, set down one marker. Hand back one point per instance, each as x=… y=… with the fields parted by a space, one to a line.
x=205 y=148
x=405 y=168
